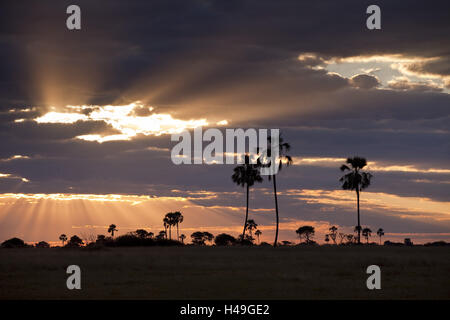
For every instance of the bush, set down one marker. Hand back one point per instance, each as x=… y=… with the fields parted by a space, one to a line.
x=437 y=244
x=247 y=241
x=74 y=242
x=14 y=243
x=130 y=240
x=224 y=239
x=42 y=244
x=167 y=242
x=395 y=244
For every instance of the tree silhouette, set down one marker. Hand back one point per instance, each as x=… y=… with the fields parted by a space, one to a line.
x=42 y=244
x=246 y=175
x=367 y=233
x=166 y=223
x=208 y=236
x=245 y=241
x=356 y=180
x=182 y=237
x=224 y=239
x=380 y=233
x=75 y=241
x=14 y=243
x=63 y=238
x=177 y=218
x=341 y=237
x=161 y=235
x=350 y=238
x=327 y=238
x=112 y=229
x=333 y=233
x=305 y=232
x=141 y=233
x=285 y=159
x=356 y=230
x=169 y=220
x=199 y=238
x=251 y=225
x=257 y=234
x=150 y=234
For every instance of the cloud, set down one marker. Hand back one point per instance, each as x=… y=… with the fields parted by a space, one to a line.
x=261 y=64
x=404 y=84
x=123 y=119
x=364 y=81
x=438 y=67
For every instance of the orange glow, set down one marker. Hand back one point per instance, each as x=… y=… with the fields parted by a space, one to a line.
x=371 y=165
x=36 y=217
x=436 y=210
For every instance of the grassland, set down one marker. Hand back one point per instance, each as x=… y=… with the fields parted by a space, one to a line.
x=226 y=273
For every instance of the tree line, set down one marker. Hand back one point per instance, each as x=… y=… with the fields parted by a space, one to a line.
x=247 y=175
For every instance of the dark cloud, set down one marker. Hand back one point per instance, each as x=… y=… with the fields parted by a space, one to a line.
x=364 y=81
x=127 y=50
x=439 y=66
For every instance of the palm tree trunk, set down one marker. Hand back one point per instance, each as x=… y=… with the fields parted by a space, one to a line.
x=276 y=210
x=178 y=235
x=359 y=224
x=170 y=232
x=246 y=216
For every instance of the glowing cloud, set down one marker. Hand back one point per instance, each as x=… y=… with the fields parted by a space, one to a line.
x=371 y=165
x=122 y=118
x=387 y=69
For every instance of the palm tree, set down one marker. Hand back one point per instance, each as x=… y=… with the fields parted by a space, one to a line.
x=246 y=175
x=366 y=234
x=178 y=218
x=357 y=229
x=380 y=233
x=112 y=229
x=251 y=225
x=356 y=180
x=283 y=148
x=63 y=238
x=257 y=234
x=166 y=223
x=182 y=237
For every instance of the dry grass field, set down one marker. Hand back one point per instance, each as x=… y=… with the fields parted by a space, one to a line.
x=226 y=273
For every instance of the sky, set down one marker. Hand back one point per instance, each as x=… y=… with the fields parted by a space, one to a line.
x=86 y=116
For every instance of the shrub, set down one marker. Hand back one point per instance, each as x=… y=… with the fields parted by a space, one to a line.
x=14 y=243
x=224 y=239
x=74 y=242
x=42 y=244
